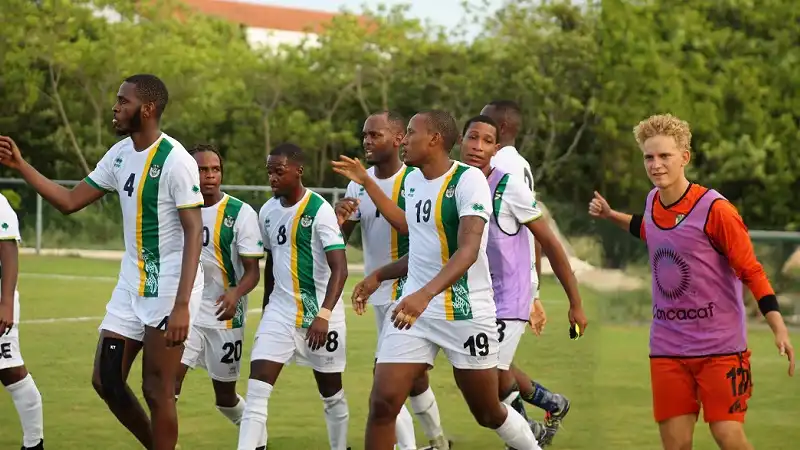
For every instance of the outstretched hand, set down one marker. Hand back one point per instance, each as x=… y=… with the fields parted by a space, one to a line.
x=351 y=168
x=10 y=155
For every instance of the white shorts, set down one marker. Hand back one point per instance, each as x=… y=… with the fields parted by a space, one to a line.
x=381 y=311
x=10 y=355
x=468 y=344
x=284 y=343
x=218 y=350
x=127 y=314
x=509 y=333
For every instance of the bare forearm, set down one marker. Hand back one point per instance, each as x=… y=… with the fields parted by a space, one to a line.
x=269 y=282
x=774 y=319
x=452 y=271
x=559 y=261
x=9 y=261
x=52 y=192
x=620 y=219
x=192 y=245
x=394 y=270
x=248 y=282
x=538 y=260
x=390 y=211
x=347 y=229
x=333 y=292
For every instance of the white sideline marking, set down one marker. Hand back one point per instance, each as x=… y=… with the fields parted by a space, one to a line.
x=58 y=276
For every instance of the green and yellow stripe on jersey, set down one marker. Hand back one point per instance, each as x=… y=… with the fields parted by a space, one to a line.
x=302 y=260
x=147 y=227
x=227 y=213
x=399 y=242
x=456 y=297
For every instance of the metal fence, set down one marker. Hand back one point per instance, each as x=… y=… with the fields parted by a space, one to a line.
x=333 y=194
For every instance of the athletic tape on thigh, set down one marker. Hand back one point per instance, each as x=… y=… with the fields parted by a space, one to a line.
x=111 y=356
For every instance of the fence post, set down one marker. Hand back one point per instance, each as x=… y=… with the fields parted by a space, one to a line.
x=38 y=224
x=335 y=195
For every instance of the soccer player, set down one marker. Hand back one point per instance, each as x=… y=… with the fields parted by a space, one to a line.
x=383 y=244
x=303 y=281
x=447 y=298
x=700 y=253
x=231 y=250
x=508 y=117
x=13 y=374
x=509 y=254
x=160 y=284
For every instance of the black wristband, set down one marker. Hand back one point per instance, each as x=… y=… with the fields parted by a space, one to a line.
x=768 y=303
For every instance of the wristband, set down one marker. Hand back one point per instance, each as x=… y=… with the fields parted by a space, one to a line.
x=324 y=313
x=768 y=303
x=536 y=294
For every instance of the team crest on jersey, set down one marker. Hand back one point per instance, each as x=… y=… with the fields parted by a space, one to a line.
x=228 y=221
x=155 y=171
x=306 y=220
x=451 y=190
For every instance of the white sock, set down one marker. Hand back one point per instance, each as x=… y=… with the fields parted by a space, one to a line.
x=511 y=397
x=427 y=412
x=233 y=413
x=516 y=432
x=337 y=417
x=404 y=431
x=253 y=426
x=28 y=402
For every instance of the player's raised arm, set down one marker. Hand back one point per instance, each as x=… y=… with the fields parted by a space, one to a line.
x=352 y=169
x=67 y=201
x=347 y=213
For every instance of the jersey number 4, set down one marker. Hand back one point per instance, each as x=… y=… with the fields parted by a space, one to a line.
x=128 y=187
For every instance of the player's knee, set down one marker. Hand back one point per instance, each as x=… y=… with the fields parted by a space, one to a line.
x=421 y=384
x=729 y=435
x=492 y=418
x=108 y=381
x=156 y=389
x=383 y=409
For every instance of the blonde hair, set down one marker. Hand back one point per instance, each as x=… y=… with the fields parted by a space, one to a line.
x=664 y=125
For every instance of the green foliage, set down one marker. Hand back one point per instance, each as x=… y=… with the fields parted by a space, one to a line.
x=584 y=74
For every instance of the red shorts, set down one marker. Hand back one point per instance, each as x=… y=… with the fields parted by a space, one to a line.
x=720 y=384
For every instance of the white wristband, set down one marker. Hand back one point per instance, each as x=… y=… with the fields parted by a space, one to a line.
x=536 y=294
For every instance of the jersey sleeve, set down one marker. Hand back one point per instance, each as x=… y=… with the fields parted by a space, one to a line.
x=248 y=235
x=728 y=233
x=521 y=202
x=473 y=196
x=9 y=223
x=184 y=183
x=352 y=192
x=262 y=227
x=327 y=229
x=102 y=177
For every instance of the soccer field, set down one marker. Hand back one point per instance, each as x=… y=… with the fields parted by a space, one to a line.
x=605 y=374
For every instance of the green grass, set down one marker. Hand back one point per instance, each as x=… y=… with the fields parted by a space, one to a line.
x=605 y=374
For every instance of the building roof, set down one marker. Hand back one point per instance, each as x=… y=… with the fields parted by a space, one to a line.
x=265 y=16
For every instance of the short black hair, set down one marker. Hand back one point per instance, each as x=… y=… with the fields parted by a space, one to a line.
x=150 y=88
x=480 y=119
x=292 y=152
x=395 y=119
x=202 y=148
x=509 y=109
x=442 y=122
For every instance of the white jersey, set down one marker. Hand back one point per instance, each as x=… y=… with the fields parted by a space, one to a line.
x=9 y=231
x=511 y=162
x=230 y=232
x=153 y=185
x=298 y=238
x=382 y=243
x=434 y=211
